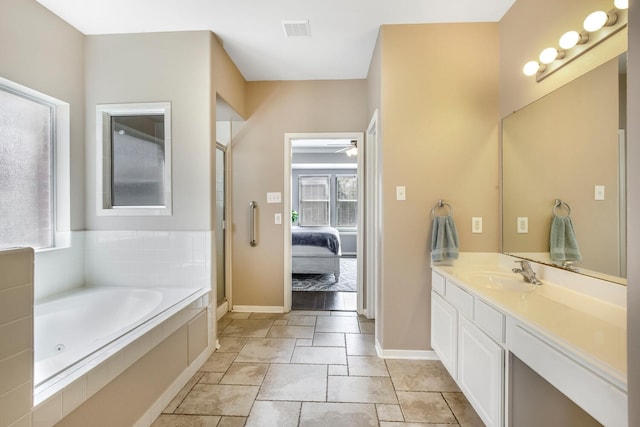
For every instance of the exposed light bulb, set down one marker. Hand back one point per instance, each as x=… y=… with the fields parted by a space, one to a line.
x=548 y=55
x=531 y=68
x=595 y=21
x=570 y=39
x=621 y=4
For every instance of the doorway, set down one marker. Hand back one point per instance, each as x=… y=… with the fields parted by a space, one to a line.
x=324 y=251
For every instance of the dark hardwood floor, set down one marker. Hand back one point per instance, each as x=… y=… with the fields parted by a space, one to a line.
x=319 y=300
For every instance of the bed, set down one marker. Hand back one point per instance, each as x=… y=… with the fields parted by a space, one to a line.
x=315 y=250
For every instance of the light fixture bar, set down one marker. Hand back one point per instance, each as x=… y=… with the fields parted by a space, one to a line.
x=595 y=39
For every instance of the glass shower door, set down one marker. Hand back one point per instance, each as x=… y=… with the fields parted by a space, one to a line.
x=220 y=224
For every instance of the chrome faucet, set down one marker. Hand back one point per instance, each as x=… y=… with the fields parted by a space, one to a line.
x=527 y=272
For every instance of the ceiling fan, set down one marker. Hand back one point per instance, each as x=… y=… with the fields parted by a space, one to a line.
x=352 y=150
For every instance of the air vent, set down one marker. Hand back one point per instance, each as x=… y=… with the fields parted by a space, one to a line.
x=296 y=28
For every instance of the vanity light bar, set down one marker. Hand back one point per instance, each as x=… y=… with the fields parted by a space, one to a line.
x=573 y=44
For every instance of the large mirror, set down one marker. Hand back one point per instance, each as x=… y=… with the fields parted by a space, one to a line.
x=564 y=155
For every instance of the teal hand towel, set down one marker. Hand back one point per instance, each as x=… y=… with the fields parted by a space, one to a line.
x=563 y=245
x=444 y=239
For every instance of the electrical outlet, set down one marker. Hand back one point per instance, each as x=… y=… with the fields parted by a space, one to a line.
x=277 y=218
x=598 y=192
x=523 y=224
x=401 y=192
x=476 y=224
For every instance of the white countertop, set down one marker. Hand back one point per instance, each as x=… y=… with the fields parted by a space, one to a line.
x=589 y=327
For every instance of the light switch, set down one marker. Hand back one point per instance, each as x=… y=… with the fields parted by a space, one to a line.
x=274 y=198
x=523 y=224
x=476 y=224
x=277 y=218
x=598 y=193
x=401 y=192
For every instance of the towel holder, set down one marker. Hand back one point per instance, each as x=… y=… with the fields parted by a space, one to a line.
x=558 y=204
x=441 y=203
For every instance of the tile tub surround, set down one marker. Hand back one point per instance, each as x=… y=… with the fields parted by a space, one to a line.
x=313 y=368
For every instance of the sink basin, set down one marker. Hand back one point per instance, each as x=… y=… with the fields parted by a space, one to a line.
x=499 y=281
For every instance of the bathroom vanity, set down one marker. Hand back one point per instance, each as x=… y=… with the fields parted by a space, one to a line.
x=573 y=335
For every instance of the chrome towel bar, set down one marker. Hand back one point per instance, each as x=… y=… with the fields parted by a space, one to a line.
x=253 y=207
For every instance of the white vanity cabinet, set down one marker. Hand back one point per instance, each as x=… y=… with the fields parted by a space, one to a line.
x=472 y=357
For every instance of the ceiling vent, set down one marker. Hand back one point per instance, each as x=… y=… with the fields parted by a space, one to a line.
x=296 y=28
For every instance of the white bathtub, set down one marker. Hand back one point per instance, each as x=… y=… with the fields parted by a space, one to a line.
x=70 y=328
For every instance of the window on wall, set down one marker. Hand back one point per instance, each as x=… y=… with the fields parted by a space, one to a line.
x=346 y=201
x=134 y=159
x=314 y=200
x=27 y=143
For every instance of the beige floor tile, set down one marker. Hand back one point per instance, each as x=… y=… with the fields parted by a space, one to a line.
x=304 y=342
x=186 y=421
x=367 y=366
x=232 y=422
x=271 y=316
x=230 y=344
x=267 y=350
x=310 y=313
x=315 y=414
x=171 y=407
x=338 y=370
x=344 y=313
x=277 y=414
x=361 y=345
x=295 y=383
x=425 y=407
x=420 y=375
x=211 y=378
x=218 y=362
x=232 y=315
x=401 y=424
x=247 y=328
x=291 y=332
x=215 y=399
x=298 y=320
x=280 y=322
x=328 y=339
x=319 y=355
x=245 y=374
x=361 y=390
x=223 y=323
x=367 y=327
x=337 y=324
x=389 y=412
x=462 y=409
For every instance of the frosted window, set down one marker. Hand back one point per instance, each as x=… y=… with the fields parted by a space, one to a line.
x=26 y=188
x=137 y=160
x=314 y=195
x=346 y=201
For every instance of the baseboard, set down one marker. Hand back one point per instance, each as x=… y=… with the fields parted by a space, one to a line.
x=257 y=309
x=222 y=310
x=405 y=354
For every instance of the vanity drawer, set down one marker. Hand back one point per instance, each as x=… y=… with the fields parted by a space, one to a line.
x=460 y=299
x=490 y=320
x=437 y=283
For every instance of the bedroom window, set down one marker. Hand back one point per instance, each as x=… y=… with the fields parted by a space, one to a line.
x=314 y=200
x=27 y=142
x=346 y=201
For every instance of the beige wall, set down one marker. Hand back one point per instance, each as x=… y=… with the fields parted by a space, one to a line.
x=44 y=53
x=439 y=103
x=633 y=213
x=227 y=79
x=273 y=109
x=173 y=67
x=559 y=147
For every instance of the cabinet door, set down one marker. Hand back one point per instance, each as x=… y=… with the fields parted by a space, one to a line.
x=444 y=332
x=481 y=372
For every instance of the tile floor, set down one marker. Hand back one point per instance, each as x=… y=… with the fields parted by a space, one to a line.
x=313 y=368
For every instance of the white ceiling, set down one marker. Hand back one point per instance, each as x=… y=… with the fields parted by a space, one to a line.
x=343 y=32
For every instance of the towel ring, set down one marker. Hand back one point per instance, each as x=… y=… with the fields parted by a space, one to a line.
x=559 y=203
x=439 y=205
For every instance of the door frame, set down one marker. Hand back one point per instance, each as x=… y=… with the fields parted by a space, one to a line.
x=373 y=218
x=361 y=249
x=223 y=308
